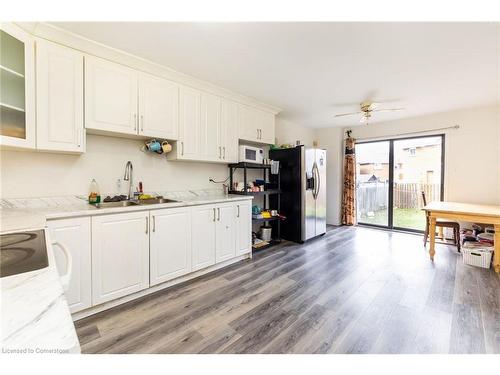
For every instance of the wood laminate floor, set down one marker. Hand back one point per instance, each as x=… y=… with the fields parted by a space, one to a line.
x=354 y=290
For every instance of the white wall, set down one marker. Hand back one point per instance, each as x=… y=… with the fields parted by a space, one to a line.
x=289 y=132
x=37 y=174
x=472 y=153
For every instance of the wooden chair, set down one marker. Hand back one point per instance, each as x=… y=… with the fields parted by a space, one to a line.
x=442 y=224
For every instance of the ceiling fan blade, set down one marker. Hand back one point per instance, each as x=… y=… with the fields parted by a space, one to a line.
x=348 y=114
x=388 y=109
x=363 y=120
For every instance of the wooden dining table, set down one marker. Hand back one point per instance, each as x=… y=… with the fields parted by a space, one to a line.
x=469 y=212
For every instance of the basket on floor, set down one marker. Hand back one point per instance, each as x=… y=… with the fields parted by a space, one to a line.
x=477 y=254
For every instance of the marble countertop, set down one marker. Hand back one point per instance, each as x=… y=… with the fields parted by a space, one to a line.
x=35 y=314
x=19 y=214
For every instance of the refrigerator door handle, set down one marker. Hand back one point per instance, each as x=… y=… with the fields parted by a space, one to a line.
x=316 y=181
x=319 y=181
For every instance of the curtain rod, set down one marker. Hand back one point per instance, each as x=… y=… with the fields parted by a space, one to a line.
x=401 y=134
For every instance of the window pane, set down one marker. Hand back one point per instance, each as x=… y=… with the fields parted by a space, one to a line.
x=372 y=182
x=417 y=169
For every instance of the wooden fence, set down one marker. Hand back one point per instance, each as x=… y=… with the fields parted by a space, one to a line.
x=373 y=196
x=410 y=195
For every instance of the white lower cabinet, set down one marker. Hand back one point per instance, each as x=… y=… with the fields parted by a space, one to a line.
x=225 y=232
x=214 y=234
x=203 y=220
x=243 y=227
x=75 y=235
x=170 y=244
x=120 y=255
x=116 y=255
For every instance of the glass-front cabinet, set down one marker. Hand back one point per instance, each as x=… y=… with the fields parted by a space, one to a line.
x=17 y=87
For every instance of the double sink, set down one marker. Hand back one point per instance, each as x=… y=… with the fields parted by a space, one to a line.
x=128 y=203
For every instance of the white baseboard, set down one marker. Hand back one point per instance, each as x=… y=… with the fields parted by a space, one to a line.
x=107 y=305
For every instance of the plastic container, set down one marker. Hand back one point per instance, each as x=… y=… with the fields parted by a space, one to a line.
x=94 y=193
x=477 y=254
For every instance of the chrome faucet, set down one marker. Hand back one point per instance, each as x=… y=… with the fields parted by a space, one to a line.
x=128 y=177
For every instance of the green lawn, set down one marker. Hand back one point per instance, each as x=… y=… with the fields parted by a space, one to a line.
x=413 y=218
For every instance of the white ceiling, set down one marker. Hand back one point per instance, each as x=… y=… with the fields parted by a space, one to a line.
x=314 y=70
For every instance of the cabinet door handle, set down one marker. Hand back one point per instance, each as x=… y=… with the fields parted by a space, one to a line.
x=218 y=214
x=135 y=121
x=154 y=223
x=147 y=224
x=182 y=148
x=257 y=133
x=142 y=123
x=220 y=152
x=214 y=214
x=224 y=154
x=238 y=214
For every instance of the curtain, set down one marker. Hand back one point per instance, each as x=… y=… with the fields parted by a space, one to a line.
x=349 y=192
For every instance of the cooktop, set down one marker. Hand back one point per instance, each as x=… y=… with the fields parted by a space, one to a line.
x=22 y=252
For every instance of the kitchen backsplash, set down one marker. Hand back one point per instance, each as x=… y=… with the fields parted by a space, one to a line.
x=39 y=174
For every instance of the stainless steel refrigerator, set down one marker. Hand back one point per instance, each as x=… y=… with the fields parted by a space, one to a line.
x=303 y=197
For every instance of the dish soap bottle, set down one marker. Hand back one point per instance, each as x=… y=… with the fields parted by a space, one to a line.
x=94 y=195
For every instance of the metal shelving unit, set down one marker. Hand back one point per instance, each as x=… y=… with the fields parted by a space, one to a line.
x=266 y=171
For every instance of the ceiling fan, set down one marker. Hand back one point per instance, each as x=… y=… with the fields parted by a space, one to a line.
x=367 y=108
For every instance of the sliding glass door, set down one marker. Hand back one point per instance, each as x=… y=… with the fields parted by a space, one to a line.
x=372 y=183
x=417 y=168
x=391 y=177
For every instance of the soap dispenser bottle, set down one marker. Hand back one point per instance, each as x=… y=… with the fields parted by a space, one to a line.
x=94 y=194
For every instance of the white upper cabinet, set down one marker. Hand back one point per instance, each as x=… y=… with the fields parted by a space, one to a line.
x=210 y=127
x=17 y=87
x=229 y=131
x=248 y=125
x=188 y=146
x=110 y=97
x=266 y=123
x=256 y=125
x=59 y=98
x=158 y=107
